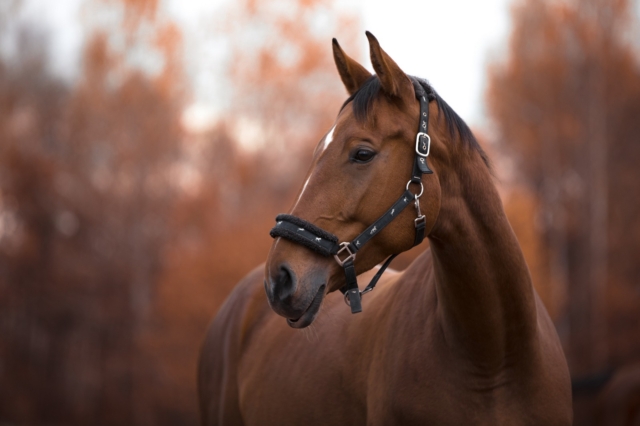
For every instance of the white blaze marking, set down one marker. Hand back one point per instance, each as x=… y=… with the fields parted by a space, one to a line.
x=329 y=138
x=302 y=192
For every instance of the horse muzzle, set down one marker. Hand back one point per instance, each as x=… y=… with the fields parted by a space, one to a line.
x=296 y=298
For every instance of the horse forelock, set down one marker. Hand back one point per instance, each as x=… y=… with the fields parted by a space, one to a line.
x=363 y=99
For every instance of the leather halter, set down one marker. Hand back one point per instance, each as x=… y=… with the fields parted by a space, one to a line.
x=322 y=242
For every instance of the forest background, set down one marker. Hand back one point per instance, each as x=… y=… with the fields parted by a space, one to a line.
x=124 y=225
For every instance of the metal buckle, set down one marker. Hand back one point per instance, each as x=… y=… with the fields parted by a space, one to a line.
x=418 y=143
x=344 y=246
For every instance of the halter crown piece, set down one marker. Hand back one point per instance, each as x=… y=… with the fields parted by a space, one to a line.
x=322 y=242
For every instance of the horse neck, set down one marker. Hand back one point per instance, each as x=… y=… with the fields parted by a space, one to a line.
x=483 y=286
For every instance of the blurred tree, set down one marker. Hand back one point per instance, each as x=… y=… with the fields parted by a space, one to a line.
x=85 y=196
x=285 y=90
x=285 y=94
x=565 y=103
x=120 y=233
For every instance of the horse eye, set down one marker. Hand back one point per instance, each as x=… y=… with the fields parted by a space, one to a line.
x=363 y=156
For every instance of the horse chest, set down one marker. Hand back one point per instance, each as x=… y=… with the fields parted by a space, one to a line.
x=337 y=378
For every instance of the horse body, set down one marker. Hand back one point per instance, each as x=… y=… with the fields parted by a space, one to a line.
x=460 y=337
x=377 y=368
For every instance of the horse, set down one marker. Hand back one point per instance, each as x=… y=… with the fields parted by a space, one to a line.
x=458 y=338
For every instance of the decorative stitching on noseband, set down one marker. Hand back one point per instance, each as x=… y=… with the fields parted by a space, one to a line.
x=296 y=238
x=305 y=233
x=308 y=226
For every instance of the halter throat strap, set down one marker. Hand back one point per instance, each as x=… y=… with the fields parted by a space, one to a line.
x=325 y=243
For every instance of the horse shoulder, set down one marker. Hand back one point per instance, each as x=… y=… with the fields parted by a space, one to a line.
x=551 y=372
x=220 y=354
x=425 y=368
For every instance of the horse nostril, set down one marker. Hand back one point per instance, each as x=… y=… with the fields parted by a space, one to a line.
x=285 y=283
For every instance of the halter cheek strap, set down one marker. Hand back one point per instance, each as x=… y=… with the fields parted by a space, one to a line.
x=324 y=243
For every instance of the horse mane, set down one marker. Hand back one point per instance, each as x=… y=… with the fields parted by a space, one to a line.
x=362 y=101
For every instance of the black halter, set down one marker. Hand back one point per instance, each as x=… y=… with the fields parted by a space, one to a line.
x=322 y=242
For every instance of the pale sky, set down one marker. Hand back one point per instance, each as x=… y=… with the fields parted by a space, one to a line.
x=447 y=42
x=456 y=38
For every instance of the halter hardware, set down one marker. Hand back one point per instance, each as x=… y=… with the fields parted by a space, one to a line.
x=421 y=188
x=344 y=246
x=421 y=219
x=426 y=146
x=309 y=235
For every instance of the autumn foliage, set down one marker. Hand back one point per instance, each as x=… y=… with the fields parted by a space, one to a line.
x=122 y=230
x=566 y=103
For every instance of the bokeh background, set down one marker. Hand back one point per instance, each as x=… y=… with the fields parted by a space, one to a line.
x=146 y=146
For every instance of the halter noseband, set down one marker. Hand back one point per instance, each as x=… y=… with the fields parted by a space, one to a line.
x=322 y=242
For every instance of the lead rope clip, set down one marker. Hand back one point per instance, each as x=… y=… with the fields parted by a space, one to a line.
x=420 y=219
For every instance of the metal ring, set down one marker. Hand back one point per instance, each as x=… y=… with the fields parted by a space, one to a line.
x=346 y=299
x=346 y=296
x=421 y=188
x=362 y=293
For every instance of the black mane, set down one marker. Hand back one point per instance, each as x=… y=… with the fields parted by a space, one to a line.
x=362 y=102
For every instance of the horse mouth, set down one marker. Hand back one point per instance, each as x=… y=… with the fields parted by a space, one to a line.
x=310 y=313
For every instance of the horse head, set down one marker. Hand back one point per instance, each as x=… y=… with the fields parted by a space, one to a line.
x=359 y=169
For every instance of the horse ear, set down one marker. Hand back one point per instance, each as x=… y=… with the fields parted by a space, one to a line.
x=353 y=74
x=393 y=80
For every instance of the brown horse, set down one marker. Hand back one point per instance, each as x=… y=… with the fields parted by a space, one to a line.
x=459 y=338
